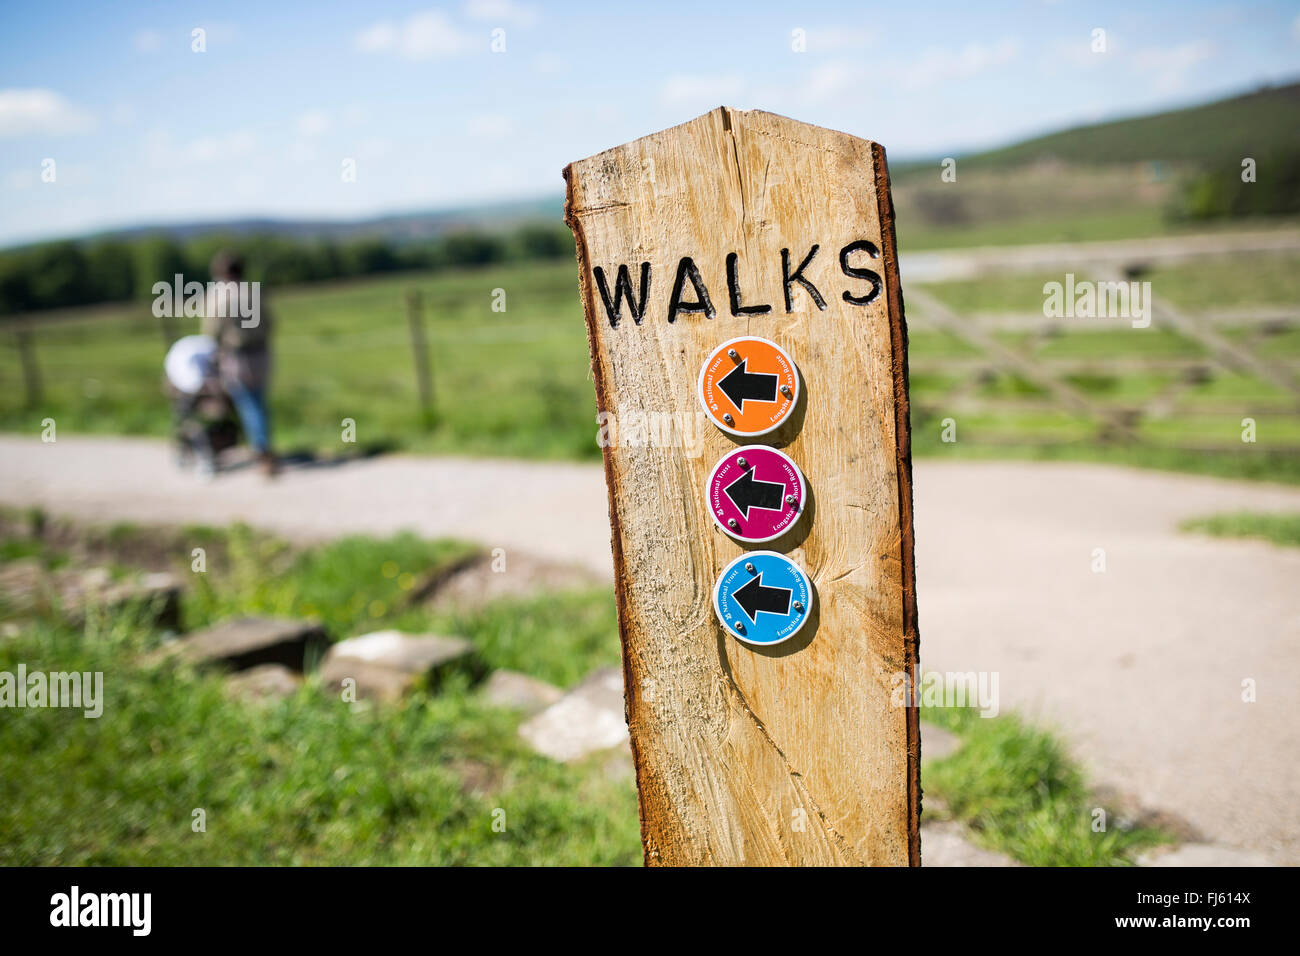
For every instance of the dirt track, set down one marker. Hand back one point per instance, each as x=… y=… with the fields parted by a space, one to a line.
x=1140 y=667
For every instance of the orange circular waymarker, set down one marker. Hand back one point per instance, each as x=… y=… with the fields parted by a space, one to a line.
x=748 y=386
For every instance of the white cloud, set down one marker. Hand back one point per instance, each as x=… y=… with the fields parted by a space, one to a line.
x=123 y=114
x=1079 y=52
x=376 y=147
x=147 y=41
x=499 y=12
x=32 y=112
x=208 y=149
x=247 y=186
x=712 y=90
x=20 y=179
x=1170 y=65
x=314 y=123
x=550 y=63
x=378 y=37
x=940 y=66
x=489 y=126
x=831 y=79
x=220 y=32
x=157 y=148
x=302 y=153
x=829 y=39
x=422 y=36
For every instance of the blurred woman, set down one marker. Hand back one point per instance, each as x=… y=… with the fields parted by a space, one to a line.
x=234 y=317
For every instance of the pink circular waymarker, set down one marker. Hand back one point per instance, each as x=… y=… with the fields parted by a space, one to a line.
x=756 y=493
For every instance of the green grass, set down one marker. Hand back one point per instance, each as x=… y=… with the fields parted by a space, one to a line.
x=309 y=780
x=1020 y=793
x=1002 y=438
x=516 y=384
x=1125 y=222
x=1279 y=343
x=358 y=584
x=507 y=384
x=1280 y=529
x=1016 y=418
x=559 y=638
x=1254 y=281
x=347 y=586
x=1260 y=280
x=312 y=780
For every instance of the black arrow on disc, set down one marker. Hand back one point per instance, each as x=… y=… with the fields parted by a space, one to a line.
x=748 y=492
x=754 y=596
x=739 y=385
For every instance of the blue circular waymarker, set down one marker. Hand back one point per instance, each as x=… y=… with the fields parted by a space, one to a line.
x=763 y=598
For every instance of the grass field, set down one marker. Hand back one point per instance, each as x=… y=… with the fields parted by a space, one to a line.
x=1280 y=529
x=517 y=383
x=1032 y=204
x=1020 y=793
x=1200 y=425
x=512 y=383
x=312 y=780
x=1257 y=281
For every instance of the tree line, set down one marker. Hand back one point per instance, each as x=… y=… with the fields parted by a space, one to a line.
x=1230 y=190
x=68 y=273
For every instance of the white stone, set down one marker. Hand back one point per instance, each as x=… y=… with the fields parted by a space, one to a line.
x=586 y=720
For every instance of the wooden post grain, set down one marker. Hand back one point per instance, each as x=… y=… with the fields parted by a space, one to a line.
x=804 y=752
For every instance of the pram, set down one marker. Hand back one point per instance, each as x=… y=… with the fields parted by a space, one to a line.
x=204 y=422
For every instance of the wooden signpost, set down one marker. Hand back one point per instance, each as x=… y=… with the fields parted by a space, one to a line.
x=759 y=737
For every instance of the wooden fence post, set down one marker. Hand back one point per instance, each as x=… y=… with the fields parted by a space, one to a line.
x=31 y=370
x=749 y=224
x=420 y=351
x=170 y=331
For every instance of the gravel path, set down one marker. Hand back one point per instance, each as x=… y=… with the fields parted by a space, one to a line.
x=1139 y=667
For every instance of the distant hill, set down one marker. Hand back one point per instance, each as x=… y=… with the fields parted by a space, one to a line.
x=405 y=227
x=1261 y=123
x=1264 y=122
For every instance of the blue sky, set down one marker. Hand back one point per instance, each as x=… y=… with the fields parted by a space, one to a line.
x=143 y=129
